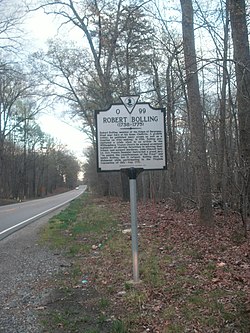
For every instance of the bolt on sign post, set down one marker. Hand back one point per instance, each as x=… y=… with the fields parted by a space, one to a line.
x=131 y=137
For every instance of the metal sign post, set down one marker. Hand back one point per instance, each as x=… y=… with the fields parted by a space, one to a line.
x=131 y=137
x=132 y=173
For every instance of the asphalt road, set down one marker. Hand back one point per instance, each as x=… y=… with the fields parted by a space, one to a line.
x=16 y=216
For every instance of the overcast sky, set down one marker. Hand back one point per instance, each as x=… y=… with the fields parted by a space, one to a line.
x=40 y=27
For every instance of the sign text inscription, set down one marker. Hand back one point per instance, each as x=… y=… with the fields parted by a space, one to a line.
x=131 y=139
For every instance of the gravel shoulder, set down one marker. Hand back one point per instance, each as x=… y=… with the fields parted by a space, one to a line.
x=26 y=271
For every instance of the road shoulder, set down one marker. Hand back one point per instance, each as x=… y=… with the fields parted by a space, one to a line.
x=26 y=271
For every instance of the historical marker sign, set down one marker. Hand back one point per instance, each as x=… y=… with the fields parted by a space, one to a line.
x=130 y=135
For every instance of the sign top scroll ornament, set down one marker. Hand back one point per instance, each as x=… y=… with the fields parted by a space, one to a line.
x=129 y=102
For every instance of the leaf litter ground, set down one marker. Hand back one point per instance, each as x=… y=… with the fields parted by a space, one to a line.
x=192 y=280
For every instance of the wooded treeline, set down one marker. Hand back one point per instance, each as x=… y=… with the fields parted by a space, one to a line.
x=191 y=57
x=32 y=164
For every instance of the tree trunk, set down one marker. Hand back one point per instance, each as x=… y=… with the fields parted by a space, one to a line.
x=242 y=68
x=222 y=172
x=195 y=114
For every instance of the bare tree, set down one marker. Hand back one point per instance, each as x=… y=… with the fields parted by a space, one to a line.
x=91 y=19
x=115 y=34
x=16 y=94
x=195 y=114
x=11 y=33
x=242 y=67
x=68 y=73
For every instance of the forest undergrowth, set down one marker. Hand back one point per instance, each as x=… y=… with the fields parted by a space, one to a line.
x=191 y=279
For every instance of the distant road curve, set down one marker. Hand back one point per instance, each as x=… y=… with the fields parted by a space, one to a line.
x=16 y=216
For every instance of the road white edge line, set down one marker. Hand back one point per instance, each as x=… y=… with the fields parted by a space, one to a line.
x=38 y=215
